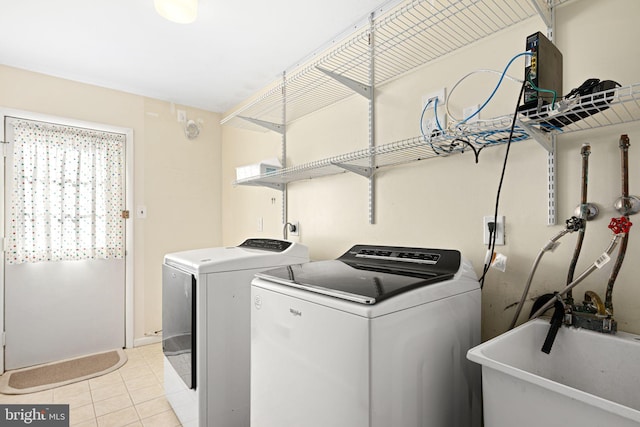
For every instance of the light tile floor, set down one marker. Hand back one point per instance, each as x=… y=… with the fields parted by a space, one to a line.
x=131 y=396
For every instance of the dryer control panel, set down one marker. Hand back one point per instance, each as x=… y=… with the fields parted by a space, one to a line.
x=266 y=244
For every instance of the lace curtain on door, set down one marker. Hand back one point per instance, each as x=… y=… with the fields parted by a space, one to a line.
x=67 y=194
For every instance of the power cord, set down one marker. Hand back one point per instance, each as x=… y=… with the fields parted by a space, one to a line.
x=492 y=243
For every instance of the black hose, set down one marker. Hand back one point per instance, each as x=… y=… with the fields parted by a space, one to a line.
x=556 y=323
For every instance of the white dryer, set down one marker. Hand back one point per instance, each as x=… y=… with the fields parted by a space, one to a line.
x=376 y=338
x=206 y=327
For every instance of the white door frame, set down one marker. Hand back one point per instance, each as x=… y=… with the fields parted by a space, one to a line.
x=129 y=223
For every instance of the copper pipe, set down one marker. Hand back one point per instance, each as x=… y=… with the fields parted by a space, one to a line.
x=592 y=297
x=624 y=156
x=585 y=151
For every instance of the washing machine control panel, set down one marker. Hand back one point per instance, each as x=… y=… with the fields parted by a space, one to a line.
x=436 y=261
x=400 y=255
x=266 y=244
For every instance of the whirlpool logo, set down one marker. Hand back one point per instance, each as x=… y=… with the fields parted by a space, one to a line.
x=295 y=312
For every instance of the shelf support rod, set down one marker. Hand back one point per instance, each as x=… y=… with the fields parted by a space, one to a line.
x=357 y=87
x=276 y=127
x=285 y=196
x=372 y=116
x=551 y=154
x=551 y=179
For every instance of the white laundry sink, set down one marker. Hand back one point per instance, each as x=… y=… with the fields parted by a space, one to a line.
x=588 y=379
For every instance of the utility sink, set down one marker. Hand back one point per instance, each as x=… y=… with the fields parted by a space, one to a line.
x=588 y=379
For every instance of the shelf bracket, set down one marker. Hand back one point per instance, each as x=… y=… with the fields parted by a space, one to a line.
x=268 y=125
x=362 y=89
x=542 y=138
x=544 y=10
x=360 y=170
x=273 y=185
x=258 y=183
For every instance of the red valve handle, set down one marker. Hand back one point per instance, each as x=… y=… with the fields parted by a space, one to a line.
x=620 y=225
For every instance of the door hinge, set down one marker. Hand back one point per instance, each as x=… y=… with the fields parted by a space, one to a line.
x=4 y=339
x=125 y=214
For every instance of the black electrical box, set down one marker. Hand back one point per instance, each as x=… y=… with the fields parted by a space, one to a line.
x=543 y=70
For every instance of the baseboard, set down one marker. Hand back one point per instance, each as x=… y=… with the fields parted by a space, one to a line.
x=139 y=342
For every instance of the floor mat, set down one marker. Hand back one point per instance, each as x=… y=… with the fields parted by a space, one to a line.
x=56 y=374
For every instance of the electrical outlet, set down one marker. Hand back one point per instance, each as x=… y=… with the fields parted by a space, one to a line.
x=499 y=229
x=260 y=224
x=182 y=116
x=294 y=228
x=428 y=118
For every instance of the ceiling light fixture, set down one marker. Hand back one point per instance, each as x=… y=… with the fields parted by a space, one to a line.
x=180 y=11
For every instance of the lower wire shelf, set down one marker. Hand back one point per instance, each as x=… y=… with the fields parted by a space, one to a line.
x=610 y=107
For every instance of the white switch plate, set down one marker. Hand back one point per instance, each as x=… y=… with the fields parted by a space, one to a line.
x=428 y=119
x=499 y=229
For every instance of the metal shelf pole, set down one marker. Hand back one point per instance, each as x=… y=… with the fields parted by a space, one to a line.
x=284 y=146
x=372 y=144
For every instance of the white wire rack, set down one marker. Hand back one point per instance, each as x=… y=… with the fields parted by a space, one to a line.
x=410 y=35
x=611 y=107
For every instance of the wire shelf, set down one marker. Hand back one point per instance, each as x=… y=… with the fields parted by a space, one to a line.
x=606 y=108
x=410 y=35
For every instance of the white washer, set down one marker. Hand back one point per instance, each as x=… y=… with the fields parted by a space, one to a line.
x=376 y=338
x=206 y=327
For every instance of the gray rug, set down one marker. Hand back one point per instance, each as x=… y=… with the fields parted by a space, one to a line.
x=56 y=374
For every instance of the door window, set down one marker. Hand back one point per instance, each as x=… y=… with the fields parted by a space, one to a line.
x=67 y=199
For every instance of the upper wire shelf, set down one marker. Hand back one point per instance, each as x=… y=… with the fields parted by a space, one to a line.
x=410 y=35
x=610 y=107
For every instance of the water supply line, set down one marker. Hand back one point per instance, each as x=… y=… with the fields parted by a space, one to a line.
x=585 y=151
x=572 y=224
x=620 y=227
x=624 y=156
x=593 y=298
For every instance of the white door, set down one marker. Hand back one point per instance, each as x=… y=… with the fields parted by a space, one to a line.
x=64 y=258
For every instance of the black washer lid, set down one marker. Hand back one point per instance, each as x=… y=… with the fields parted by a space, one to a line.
x=370 y=274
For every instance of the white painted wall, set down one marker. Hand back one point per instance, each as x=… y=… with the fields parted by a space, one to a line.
x=178 y=180
x=441 y=202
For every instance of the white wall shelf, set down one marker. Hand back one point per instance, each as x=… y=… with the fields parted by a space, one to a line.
x=624 y=107
x=404 y=38
x=397 y=39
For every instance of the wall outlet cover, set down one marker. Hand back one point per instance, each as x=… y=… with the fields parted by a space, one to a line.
x=469 y=111
x=429 y=117
x=294 y=229
x=499 y=229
